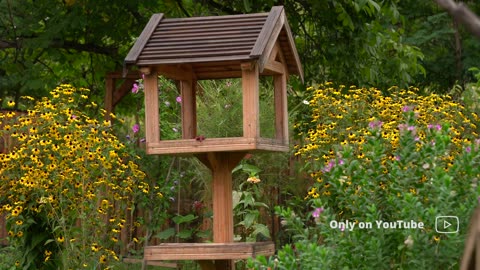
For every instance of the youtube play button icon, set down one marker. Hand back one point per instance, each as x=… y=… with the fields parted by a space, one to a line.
x=446 y=224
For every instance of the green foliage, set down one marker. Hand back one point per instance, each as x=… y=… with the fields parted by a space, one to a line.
x=419 y=186
x=67 y=184
x=357 y=42
x=76 y=41
x=376 y=157
x=7 y=258
x=449 y=51
x=247 y=207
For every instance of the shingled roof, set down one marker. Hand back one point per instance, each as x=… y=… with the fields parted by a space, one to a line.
x=215 y=42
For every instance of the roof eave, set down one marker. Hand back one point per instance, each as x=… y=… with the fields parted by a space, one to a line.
x=142 y=40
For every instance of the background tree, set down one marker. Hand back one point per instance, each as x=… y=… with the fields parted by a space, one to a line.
x=43 y=43
x=362 y=42
x=450 y=51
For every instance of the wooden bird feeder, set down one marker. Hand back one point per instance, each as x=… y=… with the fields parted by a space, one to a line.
x=218 y=47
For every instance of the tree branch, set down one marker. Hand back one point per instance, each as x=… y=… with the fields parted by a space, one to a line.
x=182 y=8
x=7 y=44
x=221 y=7
x=67 y=45
x=462 y=14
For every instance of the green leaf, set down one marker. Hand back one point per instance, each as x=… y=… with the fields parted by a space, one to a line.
x=170 y=232
x=185 y=234
x=261 y=229
x=184 y=219
x=249 y=219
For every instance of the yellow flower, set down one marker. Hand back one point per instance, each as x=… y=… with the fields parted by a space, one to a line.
x=60 y=239
x=16 y=211
x=11 y=103
x=95 y=247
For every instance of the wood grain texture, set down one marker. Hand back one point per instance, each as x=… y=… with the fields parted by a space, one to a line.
x=152 y=121
x=208 y=251
x=188 y=108
x=251 y=104
x=192 y=146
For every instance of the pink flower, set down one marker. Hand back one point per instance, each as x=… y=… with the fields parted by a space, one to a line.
x=438 y=127
x=316 y=213
x=135 y=88
x=136 y=128
x=406 y=108
x=179 y=99
x=375 y=124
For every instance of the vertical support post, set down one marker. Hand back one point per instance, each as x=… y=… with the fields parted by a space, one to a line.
x=251 y=107
x=222 y=199
x=109 y=88
x=152 y=121
x=221 y=164
x=189 y=108
x=281 y=108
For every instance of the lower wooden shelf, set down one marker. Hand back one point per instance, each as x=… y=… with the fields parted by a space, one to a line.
x=193 y=146
x=208 y=251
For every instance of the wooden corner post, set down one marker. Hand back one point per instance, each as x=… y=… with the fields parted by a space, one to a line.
x=281 y=108
x=251 y=104
x=152 y=121
x=189 y=108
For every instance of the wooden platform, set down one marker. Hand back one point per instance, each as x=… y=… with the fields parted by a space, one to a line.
x=193 y=146
x=208 y=251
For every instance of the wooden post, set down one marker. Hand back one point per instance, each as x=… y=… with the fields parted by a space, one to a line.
x=189 y=109
x=251 y=107
x=109 y=89
x=221 y=164
x=281 y=110
x=152 y=121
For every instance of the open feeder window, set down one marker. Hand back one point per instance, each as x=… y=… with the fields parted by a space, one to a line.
x=189 y=50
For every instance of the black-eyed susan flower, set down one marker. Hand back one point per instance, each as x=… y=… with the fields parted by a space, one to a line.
x=60 y=239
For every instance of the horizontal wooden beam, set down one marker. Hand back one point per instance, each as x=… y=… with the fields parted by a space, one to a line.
x=209 y=75
x=230 y=144
x=174 y=72
x=275 y=67
x=208 y=251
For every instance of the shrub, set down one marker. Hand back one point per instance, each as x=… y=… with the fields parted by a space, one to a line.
x=383 y=158
x=67 y=184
